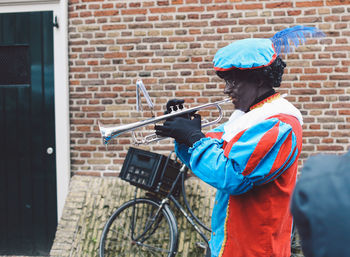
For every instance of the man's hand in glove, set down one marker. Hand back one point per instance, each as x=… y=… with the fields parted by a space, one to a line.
x=174 y=105
x=177 y=105
x=183 y=130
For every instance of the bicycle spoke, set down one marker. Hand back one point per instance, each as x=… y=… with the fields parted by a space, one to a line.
x=152 y=248
x=136 y=231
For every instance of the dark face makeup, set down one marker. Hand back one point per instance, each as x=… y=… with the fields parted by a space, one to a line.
x=242 y=92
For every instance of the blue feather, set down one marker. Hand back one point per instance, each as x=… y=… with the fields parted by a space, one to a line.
x=297 y=35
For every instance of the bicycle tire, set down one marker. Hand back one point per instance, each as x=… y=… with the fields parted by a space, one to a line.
x=295 y=245
x=159 y=240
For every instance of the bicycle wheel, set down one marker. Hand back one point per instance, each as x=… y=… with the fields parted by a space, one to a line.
x=296 y=250
x=135 y=229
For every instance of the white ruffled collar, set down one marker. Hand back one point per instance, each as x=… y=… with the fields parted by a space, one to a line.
x=240 y=120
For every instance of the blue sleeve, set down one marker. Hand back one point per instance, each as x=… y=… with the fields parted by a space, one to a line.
x=182 y=153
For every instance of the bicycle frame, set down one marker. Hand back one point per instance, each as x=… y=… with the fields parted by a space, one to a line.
x=191 y=218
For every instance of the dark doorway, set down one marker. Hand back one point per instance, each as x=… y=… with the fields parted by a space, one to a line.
x=28 y=202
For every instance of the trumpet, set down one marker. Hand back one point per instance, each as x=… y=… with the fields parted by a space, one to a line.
x=109 y=132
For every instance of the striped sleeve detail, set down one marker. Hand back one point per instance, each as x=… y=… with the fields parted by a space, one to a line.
x=267 y=141
x=231 y=143
x=215 y=135
x=263 y=151
x=282 y=162
x=222 y=165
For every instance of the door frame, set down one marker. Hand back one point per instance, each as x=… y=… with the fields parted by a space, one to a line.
x=62 y=128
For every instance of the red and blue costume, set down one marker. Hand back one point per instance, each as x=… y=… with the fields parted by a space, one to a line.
x=254 y=172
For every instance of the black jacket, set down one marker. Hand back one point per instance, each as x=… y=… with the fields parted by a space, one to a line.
x=321 y=206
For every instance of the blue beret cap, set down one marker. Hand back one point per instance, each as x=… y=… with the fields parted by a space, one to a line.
x=252 y=53
x=247 y=53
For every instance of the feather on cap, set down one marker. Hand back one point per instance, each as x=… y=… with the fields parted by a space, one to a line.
x=296 y=35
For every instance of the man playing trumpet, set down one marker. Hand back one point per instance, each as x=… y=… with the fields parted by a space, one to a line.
x=251 y=159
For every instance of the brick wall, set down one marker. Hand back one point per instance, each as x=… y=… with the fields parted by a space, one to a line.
x=170 y=45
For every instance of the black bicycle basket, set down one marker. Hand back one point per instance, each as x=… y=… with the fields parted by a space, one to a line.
x=150 y=171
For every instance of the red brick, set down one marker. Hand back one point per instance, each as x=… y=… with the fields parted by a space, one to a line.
x=220 y=7
x=316 y=106
x=315 y=133
x=133 y=11
x=340 y=77
x=344 y=112
x=309 y=20
x=332 y=91
x=251 y=21
x=326 y=70
x=79 y=69
x=315 y=126
x=337 y=48
x=181 y=39
x=87 y=173
x=330 y=148
x=84 y=148
x=115 y=55
x=83 y=128
x=337 y=2
x=191 y=9
x=280 y=20
x=327 y=140
x=81 y=121
x=128 y=40
x=279 y=5
x=134 y=5
x=163 y=10
x=106 y=13
x=209 y=38
x=186 y=94
x=304 y=92
x=313 y=77
x=114 y=27
x=106 y=6
x=309 y=4
x=197 y=80
x=196 y=24
x=93 y=108
x=310 y=70
x=341 y=105
x=185 y=66
x=223 y=23
x=248 y=6
x=325 y=63
x=85 y=14
x=345 y=18
x=341 y=69
x=331 y=18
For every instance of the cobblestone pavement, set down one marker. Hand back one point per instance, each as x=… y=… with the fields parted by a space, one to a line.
x=90 y=202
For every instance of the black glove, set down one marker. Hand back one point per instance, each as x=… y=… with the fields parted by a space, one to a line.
x=175 y=104
x=183 y=130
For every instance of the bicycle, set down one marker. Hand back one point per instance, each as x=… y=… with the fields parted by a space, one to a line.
x=147 y=226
